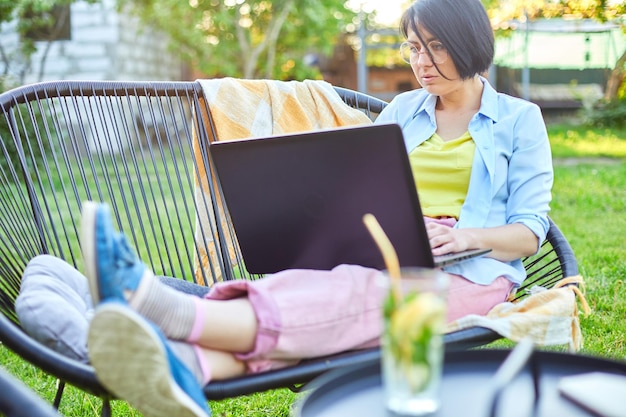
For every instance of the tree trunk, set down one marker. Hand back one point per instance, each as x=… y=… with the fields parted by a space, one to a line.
x=267 y=43
x=60 y=22
x=616 y=78
x=272 y=37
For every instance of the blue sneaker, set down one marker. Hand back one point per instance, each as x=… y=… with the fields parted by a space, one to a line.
x=133 y=361
x=111 y=265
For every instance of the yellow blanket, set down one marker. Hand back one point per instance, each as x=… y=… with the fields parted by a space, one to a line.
x=548 y=317
x=260 y=108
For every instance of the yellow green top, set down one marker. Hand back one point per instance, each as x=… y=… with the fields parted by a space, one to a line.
x=441 y=170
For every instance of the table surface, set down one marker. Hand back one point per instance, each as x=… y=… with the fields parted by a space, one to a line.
x=467 y=387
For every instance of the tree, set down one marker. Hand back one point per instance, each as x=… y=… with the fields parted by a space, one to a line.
x=248 y=38
x=602 y=10
x=36 y=20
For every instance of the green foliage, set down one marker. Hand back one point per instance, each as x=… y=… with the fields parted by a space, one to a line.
x=601 y=10
x=250 y=38
x=608 y=114
x=27 y=132
x=7 y=8
x=383 y=50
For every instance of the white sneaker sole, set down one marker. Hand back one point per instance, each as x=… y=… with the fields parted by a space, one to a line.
x=131 y=362
x=88 y=249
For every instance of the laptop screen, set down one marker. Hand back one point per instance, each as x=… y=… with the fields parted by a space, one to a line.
x=297 y=201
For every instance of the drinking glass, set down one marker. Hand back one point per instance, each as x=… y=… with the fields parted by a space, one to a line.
x=412 y=340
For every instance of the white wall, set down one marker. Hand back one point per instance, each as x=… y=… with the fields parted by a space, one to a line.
x=104 y=45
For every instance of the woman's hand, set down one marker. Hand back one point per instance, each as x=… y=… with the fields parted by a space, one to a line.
x=507 y=243
x=444 y=239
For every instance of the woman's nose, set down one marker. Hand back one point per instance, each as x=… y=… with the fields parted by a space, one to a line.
x=423 y=59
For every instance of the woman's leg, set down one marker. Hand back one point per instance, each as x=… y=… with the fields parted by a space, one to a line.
x=185 y=286
x=306 y=313
x=278 y=317
x=466 y=297
x=284 y=316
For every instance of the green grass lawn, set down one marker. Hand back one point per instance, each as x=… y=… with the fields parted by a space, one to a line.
x=581 y=142
x=589 y=206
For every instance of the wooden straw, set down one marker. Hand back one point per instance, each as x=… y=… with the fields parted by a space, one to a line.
x=390 y=256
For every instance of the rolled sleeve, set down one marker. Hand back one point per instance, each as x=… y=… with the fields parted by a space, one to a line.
x=530 y=173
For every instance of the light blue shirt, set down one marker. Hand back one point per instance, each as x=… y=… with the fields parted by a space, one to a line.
x=512 y=174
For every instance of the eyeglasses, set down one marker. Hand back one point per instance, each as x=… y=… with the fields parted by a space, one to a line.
x=434 y=49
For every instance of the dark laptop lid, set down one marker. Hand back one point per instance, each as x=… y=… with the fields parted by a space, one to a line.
x=297 y=201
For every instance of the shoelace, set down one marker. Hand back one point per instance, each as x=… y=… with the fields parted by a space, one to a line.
x=124 y=254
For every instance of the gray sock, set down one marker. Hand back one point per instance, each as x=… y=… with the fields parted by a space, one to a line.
x=173 y=311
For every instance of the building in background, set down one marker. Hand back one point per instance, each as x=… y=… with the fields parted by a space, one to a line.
x=560 y=64
x=103 y=44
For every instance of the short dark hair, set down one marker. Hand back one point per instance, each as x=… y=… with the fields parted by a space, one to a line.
x=461 y=25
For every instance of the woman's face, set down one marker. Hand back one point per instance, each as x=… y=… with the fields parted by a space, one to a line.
x=431 y=77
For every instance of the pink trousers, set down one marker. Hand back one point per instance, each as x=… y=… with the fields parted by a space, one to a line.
x=306 y=313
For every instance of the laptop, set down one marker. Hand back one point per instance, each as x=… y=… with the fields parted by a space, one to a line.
x=298 y=200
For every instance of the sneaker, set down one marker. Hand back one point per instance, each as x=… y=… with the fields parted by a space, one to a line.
x=133 y=361
x=111 y=265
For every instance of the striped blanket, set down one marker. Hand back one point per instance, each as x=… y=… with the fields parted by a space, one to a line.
x=546 y=316
x=259 y=108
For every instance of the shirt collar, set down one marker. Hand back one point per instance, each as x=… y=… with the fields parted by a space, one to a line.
x=489 y=101
x=427 y=106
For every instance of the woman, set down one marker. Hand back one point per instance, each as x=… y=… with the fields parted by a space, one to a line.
x=483 y=169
